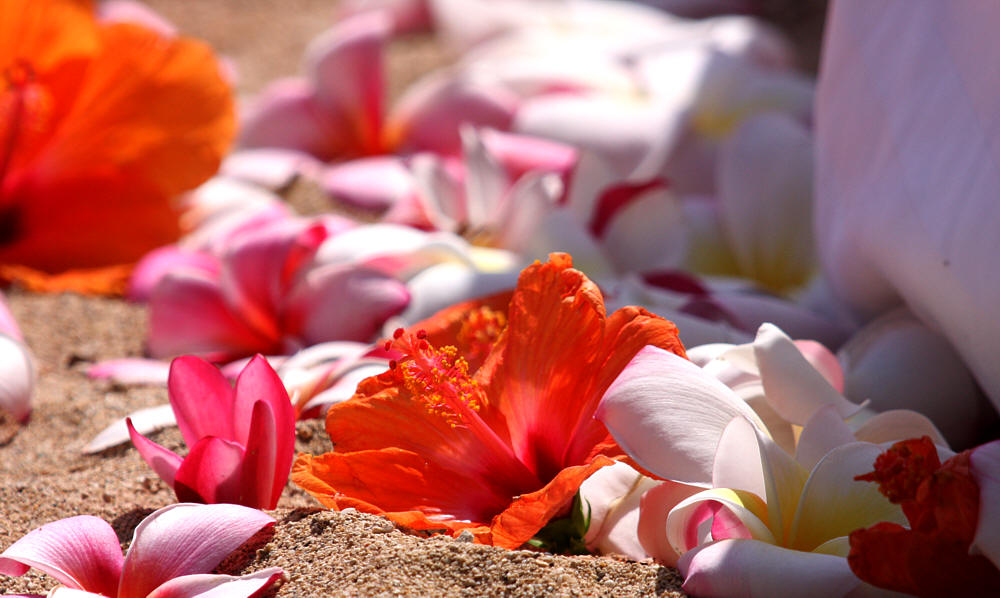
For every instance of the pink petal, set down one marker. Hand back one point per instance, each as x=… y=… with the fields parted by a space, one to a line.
x=145 y=421
x=342 y=302
x=371 y=184
x=17 y=378
x=824 y=361
x=751 y=568
x=212 y=472
x=669 y=415
x=202 y=400
x=406 y=16
x=652 y=525
x=82 y=552
x=612 y=494
x=521 y=154
x=219 y=586
x=985 y=466
x=185 y=539
x=916 y=128
x=345 y=64
x=429 y=115
x=258 y=382
x=189 y=314
x=286 y=116
x=131 y=370
x=163 y=461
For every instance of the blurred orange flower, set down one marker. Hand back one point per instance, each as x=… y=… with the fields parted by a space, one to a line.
x=101 y=125
x=433 y=446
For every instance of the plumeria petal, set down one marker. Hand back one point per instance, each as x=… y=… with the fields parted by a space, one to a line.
x=219 y=586
x=793 y=387
x=17 y=377
x=833 y=505
x=985 y=467
x=669 y=415
x=82 y=552
x=373 y=184
x=612 y=496
x=8 y=325
x=162 y=460
x=202 y=399
x=212 y=472
x=654 y=508
x=286 y=116
x=897 y=424
x=145 y=421
x=687 y=525
x=746 y=569
x=267 y=167
x=824 y=431
x=185 y=539
x=131 y=370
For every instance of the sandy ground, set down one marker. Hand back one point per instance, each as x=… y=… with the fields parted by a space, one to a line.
x=44 y=477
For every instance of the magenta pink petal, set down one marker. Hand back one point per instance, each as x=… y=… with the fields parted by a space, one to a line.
x=189 y=315
x=202 y=399
x=406 y=16
x=521 y=154
x=259 y=382
x=219 y=586
x=372 y=184
x=185 y=539
x=82 y=552
x=162 y=460
x=343 y=302
x=211 y=473
x=268 y=458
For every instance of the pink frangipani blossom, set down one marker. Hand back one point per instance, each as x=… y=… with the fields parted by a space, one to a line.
x=241 y=439
x=172 y=553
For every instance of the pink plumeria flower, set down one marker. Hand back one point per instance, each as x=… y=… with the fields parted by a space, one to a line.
x=172 y=553
x=241 y=439
x=337 y=111
x=17 y=368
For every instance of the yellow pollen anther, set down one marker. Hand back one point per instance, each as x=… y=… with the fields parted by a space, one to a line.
x=438 y=378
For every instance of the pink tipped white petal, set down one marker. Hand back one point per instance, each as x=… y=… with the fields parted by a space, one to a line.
x=612 y=496
x=752 y=569
x=17 y=378
x=287 y=116
x=81 y=552
x=8 y=325
x=825 y=431
x=145 y=421
x=185 y=539
x=219 y=586
x=898 y=424
x=131 y=370
x=654 y=508
x=793 y=387
x=669 y=415
x=375 y=184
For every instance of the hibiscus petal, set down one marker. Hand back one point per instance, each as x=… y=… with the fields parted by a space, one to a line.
x=202 y=399
x=832 y=504
x=185 y=539
x=669 y=415
x=219 y=586
x=82 y=552
x=749 y=568
x=162 y=460
x=985 y=466
x=17 y=377
x=212 y=472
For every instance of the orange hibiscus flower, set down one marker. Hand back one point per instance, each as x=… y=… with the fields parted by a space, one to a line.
x=101 y=125
x=500 y=451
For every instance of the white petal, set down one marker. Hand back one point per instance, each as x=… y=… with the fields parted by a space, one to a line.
x=17 y=378
x=985 y=465
x=146 y=421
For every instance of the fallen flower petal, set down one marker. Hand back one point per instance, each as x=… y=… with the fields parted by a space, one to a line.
x=502 y=450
